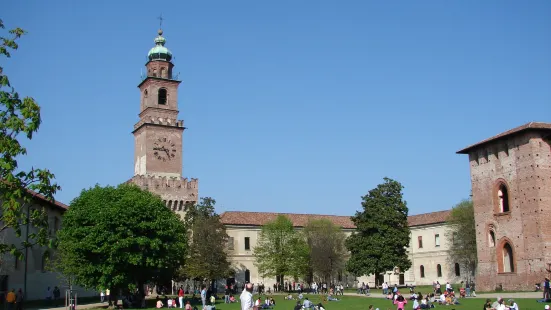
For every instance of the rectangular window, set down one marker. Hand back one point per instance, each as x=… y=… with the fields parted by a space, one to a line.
x=247 y=243
x=420 y=241
x=437 y=240
x=230 y=243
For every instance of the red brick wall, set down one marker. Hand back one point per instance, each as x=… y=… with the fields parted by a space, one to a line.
x=523 y=162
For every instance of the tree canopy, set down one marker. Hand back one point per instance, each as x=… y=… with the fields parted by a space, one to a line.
x=19 y=118
x=207 y=259
x=281 y=250
x=120 y=237
x=462 y=237
x=328 y=253
x=382 y=233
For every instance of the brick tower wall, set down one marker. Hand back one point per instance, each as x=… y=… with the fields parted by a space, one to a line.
x=523 y=163
x=175 y=192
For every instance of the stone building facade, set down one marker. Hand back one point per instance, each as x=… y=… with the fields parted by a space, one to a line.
x=38 y=271
x=158 y=134
x=511 y=188
x=429 y=257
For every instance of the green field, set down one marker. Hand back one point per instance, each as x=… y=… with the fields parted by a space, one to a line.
x=357 y=303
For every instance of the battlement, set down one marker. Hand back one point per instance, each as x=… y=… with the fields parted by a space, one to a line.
x=151 y=182
x=159 y=121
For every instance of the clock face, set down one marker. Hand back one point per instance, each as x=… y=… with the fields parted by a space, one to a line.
x=164 y=149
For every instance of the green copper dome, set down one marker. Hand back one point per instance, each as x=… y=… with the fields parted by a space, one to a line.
x=159 y=52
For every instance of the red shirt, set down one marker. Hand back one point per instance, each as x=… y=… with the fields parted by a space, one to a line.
x=180 y=293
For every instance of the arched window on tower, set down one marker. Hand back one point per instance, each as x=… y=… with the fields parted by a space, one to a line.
x=422 y=271
x=163 y=73
x=503 y=198
x=181 y=206
x=439 y=271
x=170 y=204
x=508 y=262
x=162 y=96
x=155 y=72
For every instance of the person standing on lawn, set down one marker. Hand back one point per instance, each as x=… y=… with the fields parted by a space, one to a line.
x=247 y=297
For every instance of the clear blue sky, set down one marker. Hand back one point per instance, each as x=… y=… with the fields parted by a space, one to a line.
x=292 y=106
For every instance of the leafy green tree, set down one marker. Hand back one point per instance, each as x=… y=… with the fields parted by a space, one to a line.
x=381 y=238
x=120 y=238
x=462 y=237
x=327 y=251
x=207 y=259
x=20 y=118
x=281 y=250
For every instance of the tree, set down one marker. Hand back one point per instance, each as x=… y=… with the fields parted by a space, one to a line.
x=382 y=233
x=462 y=237
x=207 y=259
x=120 y=238
x=327 y=250
x=280 y=250
x=20 y=117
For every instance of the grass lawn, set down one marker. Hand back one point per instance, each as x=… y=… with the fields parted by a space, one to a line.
x=357 y=303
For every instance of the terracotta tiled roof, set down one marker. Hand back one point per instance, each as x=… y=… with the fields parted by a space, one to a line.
x=528 y=126
x=428 y=218
x=300 y=220
x=261 y=218
x=42 y=198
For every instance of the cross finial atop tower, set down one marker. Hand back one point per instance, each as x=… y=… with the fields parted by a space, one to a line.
x=160 y=18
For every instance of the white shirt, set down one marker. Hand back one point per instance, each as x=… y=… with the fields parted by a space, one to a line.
x=500 y=307
x=246 y=300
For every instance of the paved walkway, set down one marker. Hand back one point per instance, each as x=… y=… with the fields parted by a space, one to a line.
x=85 y=306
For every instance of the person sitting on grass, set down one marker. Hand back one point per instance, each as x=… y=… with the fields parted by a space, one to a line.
x=188 y=305
x=159 y=303
x=289 y=297
x=512 y=305
x=488 y=304
x=298 y=306
x=319 y=307
x=331 y=298
x=400 y=302
x=212 y=300
x=442 y=299
x=232 y=299
x=416 y=305
x=307 y=304
x=272 y=301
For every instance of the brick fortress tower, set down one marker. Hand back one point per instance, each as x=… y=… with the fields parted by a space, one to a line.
x=511 y=188
x=158 y=134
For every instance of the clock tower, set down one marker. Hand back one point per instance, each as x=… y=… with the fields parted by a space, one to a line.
x=158 y=148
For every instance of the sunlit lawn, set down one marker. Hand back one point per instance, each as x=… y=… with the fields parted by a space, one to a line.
x=357 y=303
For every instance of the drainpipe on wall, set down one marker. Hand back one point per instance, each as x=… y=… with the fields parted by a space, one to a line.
x=26 y=253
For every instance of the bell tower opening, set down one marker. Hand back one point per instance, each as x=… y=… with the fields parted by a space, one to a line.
x=162 y=96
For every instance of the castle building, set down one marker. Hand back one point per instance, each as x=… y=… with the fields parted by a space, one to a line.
x=511 y=188
x=510 y=173
x=158 y=135
x=427 y=250
x=34 y=273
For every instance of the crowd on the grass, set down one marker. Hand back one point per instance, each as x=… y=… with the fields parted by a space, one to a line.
x=206 y=298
